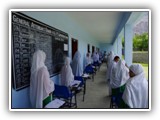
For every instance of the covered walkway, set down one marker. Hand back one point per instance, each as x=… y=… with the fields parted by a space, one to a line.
x=62 y=33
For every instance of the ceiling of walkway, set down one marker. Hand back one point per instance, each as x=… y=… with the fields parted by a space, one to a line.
x=101 y=25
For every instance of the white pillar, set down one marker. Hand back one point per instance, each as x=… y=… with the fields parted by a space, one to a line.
x=119 y=47
x=128 y=37
x=115 y=47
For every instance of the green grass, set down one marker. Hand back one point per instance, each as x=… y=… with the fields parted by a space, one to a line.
x=145 y=67
x=122 y=57
x=140 y=51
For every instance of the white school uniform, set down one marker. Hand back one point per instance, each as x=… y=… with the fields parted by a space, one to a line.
x=40 y=83
x=66 y=73
x=119 y=75
x=136 y=91
x=76 y=65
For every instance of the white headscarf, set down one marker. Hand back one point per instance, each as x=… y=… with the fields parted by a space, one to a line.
x=66 y=73
x=136 y=69
x=88 y=60
x=40 y=84
x=136 y=91
x=119 y=74
x=95 y=57
x=76 y=65
x=109 y=70
x=38 y=60
x=110 y=58
x=109 y=64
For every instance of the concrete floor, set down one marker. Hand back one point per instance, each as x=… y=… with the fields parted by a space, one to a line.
x=96 y=92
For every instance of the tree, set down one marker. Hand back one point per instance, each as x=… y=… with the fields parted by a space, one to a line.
x=122 y=42
x=140 y=42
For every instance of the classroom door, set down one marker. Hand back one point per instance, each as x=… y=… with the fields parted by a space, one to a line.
x=88 y=48
x=74 y=46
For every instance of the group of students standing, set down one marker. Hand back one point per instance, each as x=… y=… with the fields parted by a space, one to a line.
x=41 y=86
x=127 y=84
x=74 y=68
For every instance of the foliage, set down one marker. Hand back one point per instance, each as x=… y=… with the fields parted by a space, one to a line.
x=140 y=42
x=122 y=42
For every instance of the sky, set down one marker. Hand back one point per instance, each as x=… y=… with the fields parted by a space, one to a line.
x=153 y=5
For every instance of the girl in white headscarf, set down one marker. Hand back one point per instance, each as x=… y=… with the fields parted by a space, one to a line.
x=119 y=75
x=76 y=65
x=109 y=64
x=66 y=73
x=136 y=91
x=40 y=83
x=88 y=60
x=110 y=58
x=109 y=70
x=95 y=57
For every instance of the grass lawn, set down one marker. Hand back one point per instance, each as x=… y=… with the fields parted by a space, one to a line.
x=145 y=67
x=140 y=51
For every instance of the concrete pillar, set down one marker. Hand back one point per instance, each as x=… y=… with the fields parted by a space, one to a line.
x=70 y=47
x=115 y=47
x=119 y=46
x=128 y=37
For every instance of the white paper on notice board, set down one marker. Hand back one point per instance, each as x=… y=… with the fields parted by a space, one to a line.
x=65 y=47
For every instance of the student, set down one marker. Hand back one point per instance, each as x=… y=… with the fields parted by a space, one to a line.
x=96 y=62
x=111 y=66
x=89 y=68
x=110 y=57
x=76 y=65
x=101 y=56
x=66 y=73
x=41 y=86
x=95 y=57
x=119 y=74
x=118 y=79
x=87 y=60
x=90 y=57
x=136 y=91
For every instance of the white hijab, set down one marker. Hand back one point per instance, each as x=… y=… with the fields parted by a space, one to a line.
x=136 y=91
x=88 y=60
x=109 y=64
x=109 y=70
x=95 y=57
x=66 y=73
x=40 y=84
x=119 y=74
x=110 y=58
x=76 y=65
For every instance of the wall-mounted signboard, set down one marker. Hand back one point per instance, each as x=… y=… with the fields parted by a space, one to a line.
x=29 y=35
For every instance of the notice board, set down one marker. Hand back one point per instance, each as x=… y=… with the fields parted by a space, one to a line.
x=29 y=35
